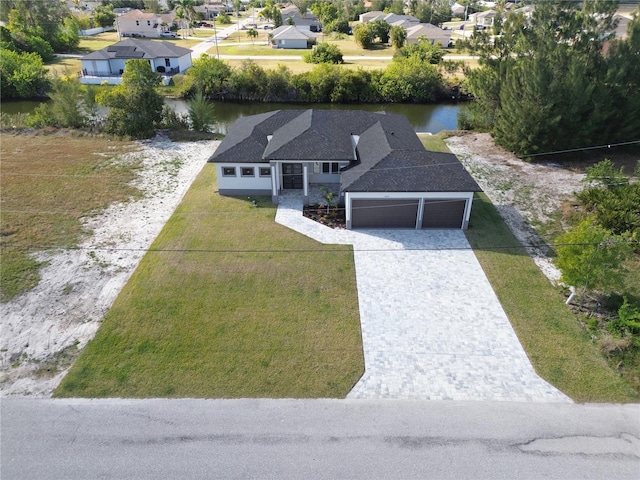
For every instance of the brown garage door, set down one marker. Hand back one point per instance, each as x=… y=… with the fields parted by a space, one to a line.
x=401 y=213
x=443 y=213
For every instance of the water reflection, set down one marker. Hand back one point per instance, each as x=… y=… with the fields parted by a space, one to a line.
x=423 y=118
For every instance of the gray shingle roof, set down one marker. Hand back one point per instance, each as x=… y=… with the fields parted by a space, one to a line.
x=130 y=48
x=390 y=156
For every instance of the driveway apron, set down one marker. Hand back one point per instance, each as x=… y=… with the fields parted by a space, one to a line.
x=432 y=326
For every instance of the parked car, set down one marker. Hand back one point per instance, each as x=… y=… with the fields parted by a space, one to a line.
x=269 y=26
x=168 y=35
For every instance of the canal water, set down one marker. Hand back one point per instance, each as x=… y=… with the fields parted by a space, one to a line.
x=423 y=118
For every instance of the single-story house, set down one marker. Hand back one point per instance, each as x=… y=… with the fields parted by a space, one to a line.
x=107 y=64
x=211 y=10
x=290 y=36
x=385 y=177
x=483 y=18
x=390 y=18
x=458 y=10
x=137 y=23
x=291 y=16
x=429 y=32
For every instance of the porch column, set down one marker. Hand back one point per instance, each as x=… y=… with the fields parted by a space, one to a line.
x=305 y=183
x=420 y=213
x=274 y=184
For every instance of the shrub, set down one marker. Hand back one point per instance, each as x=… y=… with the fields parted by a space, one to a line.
x=628 y=320
x=324 y=53
x=338 y=26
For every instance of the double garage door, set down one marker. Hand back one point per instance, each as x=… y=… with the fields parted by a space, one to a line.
x=403 y=213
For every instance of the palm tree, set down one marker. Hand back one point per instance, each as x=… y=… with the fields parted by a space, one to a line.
x=253 y=33
x=201 y=113
x=186 y=12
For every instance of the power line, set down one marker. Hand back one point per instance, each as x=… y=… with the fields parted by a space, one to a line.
x=608 y=145
x=312 y=251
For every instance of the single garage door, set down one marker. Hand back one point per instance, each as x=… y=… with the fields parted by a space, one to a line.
x=370 y=213
x=445 y=213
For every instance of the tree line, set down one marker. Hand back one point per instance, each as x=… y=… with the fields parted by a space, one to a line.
x=410 y=78
x=558 y=80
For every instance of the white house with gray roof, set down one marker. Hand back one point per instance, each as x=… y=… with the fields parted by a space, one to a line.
x=384 y=175
x=107 y=65
x=290 y=36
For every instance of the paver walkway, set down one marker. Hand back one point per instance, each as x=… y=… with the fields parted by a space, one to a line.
x=432 y=327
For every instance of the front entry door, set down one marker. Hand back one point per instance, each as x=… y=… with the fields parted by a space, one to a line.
x=292 y=176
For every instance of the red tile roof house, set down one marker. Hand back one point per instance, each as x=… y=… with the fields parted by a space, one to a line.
x=385 y=177
x=107 y=65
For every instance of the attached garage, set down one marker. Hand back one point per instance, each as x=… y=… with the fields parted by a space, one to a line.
x=443 y=213
x=364 y=210
x=406 y=188
x=373 y=213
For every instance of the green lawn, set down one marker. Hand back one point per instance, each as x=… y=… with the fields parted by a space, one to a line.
x=227 y=303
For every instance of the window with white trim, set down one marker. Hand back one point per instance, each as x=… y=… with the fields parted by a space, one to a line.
x=265 y=171
x=228 y=171
x=247 y=171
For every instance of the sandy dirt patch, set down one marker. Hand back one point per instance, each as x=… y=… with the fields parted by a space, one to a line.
x=524 y=193
x=47 y=326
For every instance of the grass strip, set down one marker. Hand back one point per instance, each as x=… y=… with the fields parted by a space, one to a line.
x=228 y=304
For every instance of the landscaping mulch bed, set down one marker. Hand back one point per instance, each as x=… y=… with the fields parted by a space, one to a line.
x=333 y=217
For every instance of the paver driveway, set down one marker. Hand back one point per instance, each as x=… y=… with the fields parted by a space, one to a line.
x=432 y=327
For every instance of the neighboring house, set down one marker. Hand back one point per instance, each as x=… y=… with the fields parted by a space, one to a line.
x=211 y=10
x=137 y=23
x=107 y=65
x=369 y=16
x=390 y=18
x=289 y=36
x=429 y=32
x=484 y=19
x=291 y=15
x=385 y=177
x=458 y=10
x=526 y=11
x=621 y=29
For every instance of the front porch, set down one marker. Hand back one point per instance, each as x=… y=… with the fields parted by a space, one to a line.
x=304 y=180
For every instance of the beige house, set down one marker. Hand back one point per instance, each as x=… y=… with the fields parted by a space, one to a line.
x=137 y=23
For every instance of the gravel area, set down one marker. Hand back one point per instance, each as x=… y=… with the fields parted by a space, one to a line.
x=524 y=193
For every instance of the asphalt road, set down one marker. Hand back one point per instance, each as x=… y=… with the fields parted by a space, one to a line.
x=307 y=439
